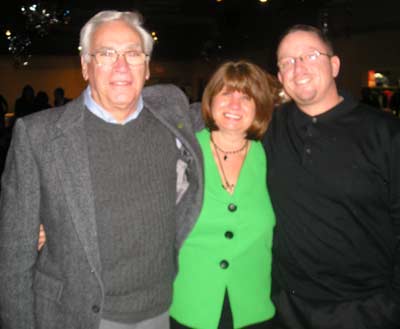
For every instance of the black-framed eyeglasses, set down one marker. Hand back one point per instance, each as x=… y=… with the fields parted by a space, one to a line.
x=110 y=56
x=287 y=63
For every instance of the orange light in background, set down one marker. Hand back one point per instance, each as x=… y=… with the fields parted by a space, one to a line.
x=158 y=69
x=371 y=79
x=154 y=36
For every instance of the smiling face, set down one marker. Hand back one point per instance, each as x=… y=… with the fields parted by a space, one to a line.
x=233 y=111
x=310 y=84
x=115 y=87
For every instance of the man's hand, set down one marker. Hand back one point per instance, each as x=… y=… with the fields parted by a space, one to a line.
x=42 y=237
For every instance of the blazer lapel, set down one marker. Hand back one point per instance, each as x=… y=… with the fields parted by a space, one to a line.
x=72 y=161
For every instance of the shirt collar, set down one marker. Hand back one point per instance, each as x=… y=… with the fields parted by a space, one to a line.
x=100 y=112
x=342 y=108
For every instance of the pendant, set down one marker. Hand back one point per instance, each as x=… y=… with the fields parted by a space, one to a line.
x=228 y=187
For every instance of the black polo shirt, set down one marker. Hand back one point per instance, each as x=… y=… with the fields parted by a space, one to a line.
x=334 y=181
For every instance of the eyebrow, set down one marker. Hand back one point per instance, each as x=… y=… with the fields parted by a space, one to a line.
x=305 y=52
x=134 y=46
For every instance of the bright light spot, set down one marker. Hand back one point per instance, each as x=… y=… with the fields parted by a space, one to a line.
x=79 y=48
x=25 y=63
x=263 y=1
x=8 y=33
x=155 y=38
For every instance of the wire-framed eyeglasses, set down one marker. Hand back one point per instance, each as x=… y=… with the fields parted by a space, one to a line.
x=109 y=56
x=287 y=63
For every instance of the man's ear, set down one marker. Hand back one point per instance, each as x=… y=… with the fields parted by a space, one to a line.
x=84 y=66
x=279 y=77
x=147 y=70
x=335 y=65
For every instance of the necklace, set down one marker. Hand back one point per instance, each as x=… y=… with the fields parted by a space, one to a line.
x=229 y=152
x=225 y=183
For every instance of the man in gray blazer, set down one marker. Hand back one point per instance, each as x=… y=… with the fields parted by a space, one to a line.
x=115 y=177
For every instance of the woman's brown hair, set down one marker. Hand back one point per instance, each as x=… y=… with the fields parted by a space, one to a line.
x=247 y=78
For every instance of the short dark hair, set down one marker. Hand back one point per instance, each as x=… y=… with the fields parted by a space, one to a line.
x=247 y=78
x=308 y=28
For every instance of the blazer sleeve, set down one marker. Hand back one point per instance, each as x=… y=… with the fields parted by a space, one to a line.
x=19 y=227
x=196 y=116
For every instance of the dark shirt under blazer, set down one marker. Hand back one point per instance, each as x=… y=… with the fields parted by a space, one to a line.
x=47 y=180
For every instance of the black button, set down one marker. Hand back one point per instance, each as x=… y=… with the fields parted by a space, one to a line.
x=232 y=207
x=95 y=309
x=224 y=264
x=228 y=234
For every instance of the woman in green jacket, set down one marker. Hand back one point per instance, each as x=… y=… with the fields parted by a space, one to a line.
x=224 y=276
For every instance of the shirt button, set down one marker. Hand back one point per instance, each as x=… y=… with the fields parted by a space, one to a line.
x=229 y=235
x=308 y=150
x=232 y=207
x=314 y=120
x=95 y=309
x=224 y=264
x=293 y=292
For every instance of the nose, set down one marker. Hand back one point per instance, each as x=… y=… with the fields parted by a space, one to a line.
x=121 y=64
x=299 y=64
x=234 y=100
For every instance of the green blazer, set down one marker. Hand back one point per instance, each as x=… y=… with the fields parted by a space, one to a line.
x=228 y=249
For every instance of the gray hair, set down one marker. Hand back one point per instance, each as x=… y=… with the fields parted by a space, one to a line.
x=132 y=18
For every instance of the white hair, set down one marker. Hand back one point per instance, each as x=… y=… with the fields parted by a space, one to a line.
x=132 y=18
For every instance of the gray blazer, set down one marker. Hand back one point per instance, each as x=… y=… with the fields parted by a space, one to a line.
x=46 y=180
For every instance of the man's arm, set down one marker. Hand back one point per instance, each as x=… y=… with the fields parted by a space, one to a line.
x=196 y=116
x=19 y=227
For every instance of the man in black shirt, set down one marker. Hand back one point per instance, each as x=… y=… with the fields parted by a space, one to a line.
x=334 y=180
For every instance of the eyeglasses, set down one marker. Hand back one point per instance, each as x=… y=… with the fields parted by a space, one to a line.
x=109 y=57
x=287 y=63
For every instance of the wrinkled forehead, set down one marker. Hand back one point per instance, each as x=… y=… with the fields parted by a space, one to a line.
x=298 y=42
x=116 y=34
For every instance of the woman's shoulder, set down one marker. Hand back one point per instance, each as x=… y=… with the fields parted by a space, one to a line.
x=203 y=135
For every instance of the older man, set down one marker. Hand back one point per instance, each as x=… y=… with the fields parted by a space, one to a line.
x=107 y=175
x=334 y=181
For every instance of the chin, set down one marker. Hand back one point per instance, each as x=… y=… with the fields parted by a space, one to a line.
x=123 y=99
x=305 y=98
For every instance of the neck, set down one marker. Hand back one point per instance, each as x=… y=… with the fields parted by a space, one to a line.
x=321 y=107
x=121 y=115
x=228 y=141
x=119 y=112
